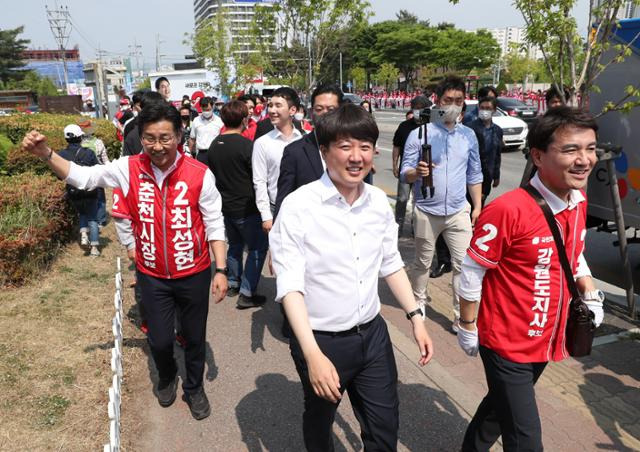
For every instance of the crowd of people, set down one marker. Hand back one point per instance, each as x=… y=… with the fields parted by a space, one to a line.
x=197 y=187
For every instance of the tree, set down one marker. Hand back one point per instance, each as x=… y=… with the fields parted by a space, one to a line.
x=212 y=47
x=520 y=67
x=405 y=17
x=359 y=77
x=11 y=48
x=308 y=27
x=387 y=74
x=458 y=50
x=31 y=81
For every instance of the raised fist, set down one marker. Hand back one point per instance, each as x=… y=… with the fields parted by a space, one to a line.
x=35 y=143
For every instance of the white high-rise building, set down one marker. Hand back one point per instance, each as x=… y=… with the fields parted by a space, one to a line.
x=240 y=14
x=509 y=37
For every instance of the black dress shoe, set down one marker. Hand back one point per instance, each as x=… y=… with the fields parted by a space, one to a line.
x=254 y=301
x=440 y=270
x=166 y=392
x=232 y=292
x=198 y=404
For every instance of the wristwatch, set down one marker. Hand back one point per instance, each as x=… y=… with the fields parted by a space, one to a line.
x=594 y=295
x=223 y=270
x=48 y=157
x=414 y=312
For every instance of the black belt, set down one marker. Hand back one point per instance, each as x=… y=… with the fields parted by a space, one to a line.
x=355 y=330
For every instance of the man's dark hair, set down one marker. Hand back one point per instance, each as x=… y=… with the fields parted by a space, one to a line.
x=185 y=97
x=73 y=140
x=185 y=107
x=541 y=133
x=136 y=97
x=151 y=97
x=347 y=121
x=327 y=89
x=159 y=111
x=160 y=80
x=290 y=94
x=232 y=113
x=492 y=100
x=450 y=82
x=247 y=97
x=485 y=90
x=206 y=101
x=420 y=102
x=553 y=92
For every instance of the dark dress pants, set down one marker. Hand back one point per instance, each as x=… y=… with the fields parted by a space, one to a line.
x=160 y=298
x=509 y=409
x=367 y=371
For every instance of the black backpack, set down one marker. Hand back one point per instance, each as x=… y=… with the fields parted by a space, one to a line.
x=76 y=193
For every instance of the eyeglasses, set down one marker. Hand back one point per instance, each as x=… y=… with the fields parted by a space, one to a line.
x=163 y=140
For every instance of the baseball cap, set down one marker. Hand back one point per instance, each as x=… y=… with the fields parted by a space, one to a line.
x=73 y=131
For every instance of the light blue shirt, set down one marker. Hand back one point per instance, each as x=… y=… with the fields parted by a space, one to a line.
x=456 y=162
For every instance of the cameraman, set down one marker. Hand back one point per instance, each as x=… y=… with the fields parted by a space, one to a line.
x=456 y=167
x=418 y=104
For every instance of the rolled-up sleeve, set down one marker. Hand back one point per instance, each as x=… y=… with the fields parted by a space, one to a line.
x=210 y=204
x=113 y=174
x=286 y=242
x=260 y=177
x=411 y=155
x=474 y=168
x=391 y=259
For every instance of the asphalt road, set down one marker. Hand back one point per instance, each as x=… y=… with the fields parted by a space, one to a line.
x=603 y=257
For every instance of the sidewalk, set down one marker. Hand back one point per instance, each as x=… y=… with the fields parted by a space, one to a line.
x=587 y=404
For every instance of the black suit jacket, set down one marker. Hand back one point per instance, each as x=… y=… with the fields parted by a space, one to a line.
x=301 y=163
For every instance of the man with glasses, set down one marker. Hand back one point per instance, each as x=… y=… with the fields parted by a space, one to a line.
x=301 y=160
x=456 y=167
x=175 y=210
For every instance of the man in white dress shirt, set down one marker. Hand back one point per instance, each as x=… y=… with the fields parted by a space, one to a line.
x=332 y=239
x=205 y=128
x=268 y=150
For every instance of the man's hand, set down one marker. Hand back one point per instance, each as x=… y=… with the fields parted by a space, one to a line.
x=396 y=170
x=496 y=182
x=422 y=339
x=219 y=287
x=422 y=170
x=131 y=253
x=267 y=225
x=468 y=339
x=475 y=213
x=35 y=143
x=324 y=377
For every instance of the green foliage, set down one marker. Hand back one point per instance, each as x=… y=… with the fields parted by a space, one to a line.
x=145 y=84
x=386 y=75
x=11 y=48
x=31 y=81
x=359 y=77
x=16 y=126
x=5 y=145
x=35 y=221
x=519 y=66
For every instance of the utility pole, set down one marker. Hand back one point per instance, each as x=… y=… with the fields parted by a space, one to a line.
x=61 y=28
x=136 y=53
x=101 y=84
x=341 y=70
x=158 y=42
x=310 y=69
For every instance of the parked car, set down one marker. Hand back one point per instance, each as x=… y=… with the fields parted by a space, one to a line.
x=518 y=109
x=514 y=130
x=353 y=98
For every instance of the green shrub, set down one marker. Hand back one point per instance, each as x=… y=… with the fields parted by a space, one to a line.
x=5 y=145
x=16 y=126
x=35 y=219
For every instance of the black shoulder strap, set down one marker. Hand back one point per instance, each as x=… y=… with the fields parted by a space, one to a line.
x=562 y=252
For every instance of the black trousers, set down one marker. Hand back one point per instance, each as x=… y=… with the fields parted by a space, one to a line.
x=160 y=298
x=509 y=409
x=367 y=371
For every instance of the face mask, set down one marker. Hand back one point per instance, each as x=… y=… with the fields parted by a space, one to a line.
x=416 y=114
x=207 y=114
x=185 y=118
x=450 y=113
x=485 y=115
x=298 y=116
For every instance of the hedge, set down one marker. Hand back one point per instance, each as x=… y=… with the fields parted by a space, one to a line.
x=35 y=219
x=16 y=126
x=5 y=146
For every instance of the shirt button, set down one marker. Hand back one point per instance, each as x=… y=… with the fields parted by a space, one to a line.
x=360 y=281
x=354 y=234
x=357 y=258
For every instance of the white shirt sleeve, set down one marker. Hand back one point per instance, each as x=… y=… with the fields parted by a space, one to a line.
x=286 y=243
x=210 y=204
x=125 y=232
x=391 y=259
x=260 y=177
x=113 y=174
x=471 y=276
x=194 y=126
x=583 y=268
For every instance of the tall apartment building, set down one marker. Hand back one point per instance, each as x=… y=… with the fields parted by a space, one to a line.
x=240 y=14
x=513 y=36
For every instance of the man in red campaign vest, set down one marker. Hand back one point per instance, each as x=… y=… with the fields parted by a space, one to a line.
x=513 y=271
x=176 y=216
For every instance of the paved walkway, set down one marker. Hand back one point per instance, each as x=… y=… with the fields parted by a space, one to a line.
x=587 y=404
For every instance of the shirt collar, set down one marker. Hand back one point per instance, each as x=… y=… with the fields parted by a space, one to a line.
x=172 y=167
x=447 y=130
x=277 y=135
x=329 y=191
x=557 y=205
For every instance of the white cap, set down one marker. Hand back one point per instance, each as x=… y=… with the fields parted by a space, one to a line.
x=73 y=131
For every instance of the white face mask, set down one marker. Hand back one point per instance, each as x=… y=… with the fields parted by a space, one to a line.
x=207 y=114
x=298 y=116
x=485 y=115
x=416 y=114
x=450 y=113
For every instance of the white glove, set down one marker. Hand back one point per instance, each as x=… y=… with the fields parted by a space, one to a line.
x=468 y=341
x=598 y=313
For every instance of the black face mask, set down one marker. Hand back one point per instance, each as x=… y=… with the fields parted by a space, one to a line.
x=185 y=118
